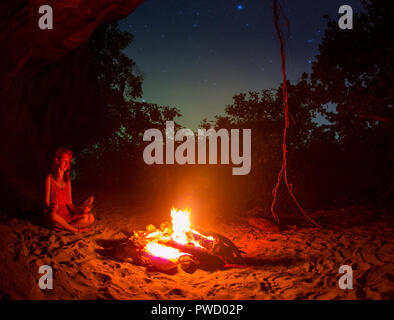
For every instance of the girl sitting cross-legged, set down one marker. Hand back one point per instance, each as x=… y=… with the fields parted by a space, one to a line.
x=63 y=213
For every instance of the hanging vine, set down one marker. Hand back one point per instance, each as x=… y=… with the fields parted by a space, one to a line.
x=278 y=11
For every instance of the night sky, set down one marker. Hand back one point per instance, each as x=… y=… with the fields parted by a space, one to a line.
x=196 y=55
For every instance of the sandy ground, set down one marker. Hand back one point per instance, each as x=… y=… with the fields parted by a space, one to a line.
x=296 y=263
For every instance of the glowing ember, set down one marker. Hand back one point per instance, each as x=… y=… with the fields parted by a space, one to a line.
x=162 y=251
x=210 y=238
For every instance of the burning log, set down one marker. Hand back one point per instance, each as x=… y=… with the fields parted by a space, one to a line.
x=167 y=247
x=188 y=264
x=224 y=248
x=160 y=257
x=205 y=257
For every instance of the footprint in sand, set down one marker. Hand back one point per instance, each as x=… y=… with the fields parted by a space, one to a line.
x=123 y=272
x=102 y=277
x=265 y=286
x=176 y=292
x=20 y=251
x=82 y=245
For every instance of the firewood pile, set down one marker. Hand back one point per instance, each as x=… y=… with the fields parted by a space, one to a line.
x=178 y=245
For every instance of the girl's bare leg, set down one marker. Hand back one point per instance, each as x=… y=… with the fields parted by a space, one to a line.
x=59 y=222
x=83 y=221
x=84 y=207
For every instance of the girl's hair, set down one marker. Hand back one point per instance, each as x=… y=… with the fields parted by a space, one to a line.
x=56 y=161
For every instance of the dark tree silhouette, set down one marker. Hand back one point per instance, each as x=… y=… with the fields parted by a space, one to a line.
x=354 y=71
x=263 y=113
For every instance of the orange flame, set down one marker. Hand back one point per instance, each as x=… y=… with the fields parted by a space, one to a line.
x=181 y=233
x=180 y=225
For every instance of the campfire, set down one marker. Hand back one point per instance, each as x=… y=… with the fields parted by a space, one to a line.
x=178 y=244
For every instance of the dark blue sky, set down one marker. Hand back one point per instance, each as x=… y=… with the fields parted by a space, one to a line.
x=197 y=54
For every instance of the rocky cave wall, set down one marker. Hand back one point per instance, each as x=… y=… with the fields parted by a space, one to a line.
x=29 y=54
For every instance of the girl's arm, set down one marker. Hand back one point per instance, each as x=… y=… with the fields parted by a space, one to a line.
x=74 y=208
x=70 y=204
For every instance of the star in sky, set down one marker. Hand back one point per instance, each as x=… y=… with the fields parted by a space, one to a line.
x=230 y=43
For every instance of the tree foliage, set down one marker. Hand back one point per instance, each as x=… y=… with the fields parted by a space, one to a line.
x=116 y=152
x=354 y=71
x=349 y=159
